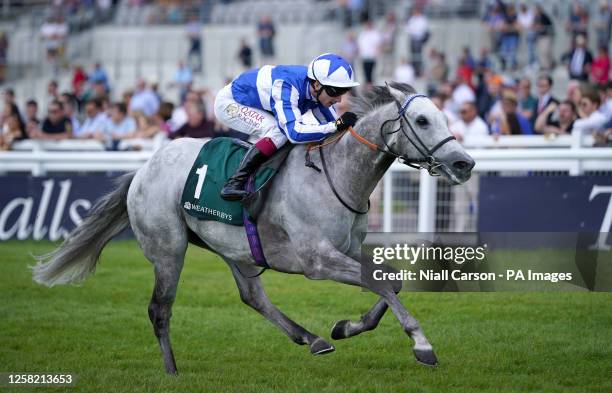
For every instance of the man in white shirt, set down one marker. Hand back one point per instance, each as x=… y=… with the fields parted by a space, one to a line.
x=469 y=123
x=95 y=123
x=404 y=72
x=464 y=196
x=593 y=119
x=418 y=32
x=369 y=42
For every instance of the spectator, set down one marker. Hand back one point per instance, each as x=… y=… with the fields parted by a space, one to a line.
x=95 y=122
x=8 y=97
x=194 y=35
x=418 y=33
x=164 y=115
x=144 y=99
x=369 y=43
x=183 y=78
x=527 y=102
x=350 y=50
x=600 y=70
x=592 y=120
x=179 y=114
x=574 y=94
x=462 y=93
x=547 y=125
x=197 y=126
x=31 y=112
x=52 y=91
x=245 y=54
x=469 y=123
x=126 y=97
x=464 y=196
x=11 y=122
x=603 y=24
x=146 y=126
x=11 y=132
x=544 y=86
x=484 y=63
x=404 y=72
x=53 y=32
x=543 y=27
x=4 y=45
x=388 y=37
x=69 y=102
x=266 y=33
x=465 y=67
x=494 y=21
x=79 y=78
x=510 y=121
x=56 y=126
x=437 y=72
x=578 y=22
x=607 y=105
x=120 y=125
x=526 y=22
x=579 y=60
x=509 y=39
x=488 y=93
x=98 y=75
x=440 y=100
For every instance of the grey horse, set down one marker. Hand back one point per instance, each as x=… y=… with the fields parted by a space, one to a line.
x=304 y=227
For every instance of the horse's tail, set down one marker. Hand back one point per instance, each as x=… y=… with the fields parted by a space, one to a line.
x=76 y=258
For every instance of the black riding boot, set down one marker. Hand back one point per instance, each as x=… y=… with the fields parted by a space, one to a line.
x=234 y=188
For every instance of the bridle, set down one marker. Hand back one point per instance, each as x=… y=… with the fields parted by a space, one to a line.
x=427 y=160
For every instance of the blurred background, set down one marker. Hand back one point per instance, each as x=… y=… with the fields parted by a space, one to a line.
x=92 y=88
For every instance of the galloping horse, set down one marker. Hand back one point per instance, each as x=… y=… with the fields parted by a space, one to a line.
x=306 y=226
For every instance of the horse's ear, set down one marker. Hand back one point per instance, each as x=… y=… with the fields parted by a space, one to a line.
x=397 y=95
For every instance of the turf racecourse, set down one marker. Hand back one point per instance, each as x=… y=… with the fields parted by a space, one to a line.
x=491 y=342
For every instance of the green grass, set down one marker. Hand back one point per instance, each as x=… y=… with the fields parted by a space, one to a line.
x=100 y=331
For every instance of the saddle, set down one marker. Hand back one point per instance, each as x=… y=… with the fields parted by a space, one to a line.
x=217 y=160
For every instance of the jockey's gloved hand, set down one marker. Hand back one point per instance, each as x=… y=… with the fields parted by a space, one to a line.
x=348 y=119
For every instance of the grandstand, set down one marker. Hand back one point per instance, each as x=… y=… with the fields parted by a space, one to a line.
x=133 y=40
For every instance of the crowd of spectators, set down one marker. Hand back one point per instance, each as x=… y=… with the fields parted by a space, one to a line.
x=83 y=111
x=492 y=91
x=499 y=92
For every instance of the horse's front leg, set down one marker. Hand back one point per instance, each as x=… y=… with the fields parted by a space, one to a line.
x=327 y=263
x=369 y=321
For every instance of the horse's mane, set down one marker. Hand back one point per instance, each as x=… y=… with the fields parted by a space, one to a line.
x=366 y=101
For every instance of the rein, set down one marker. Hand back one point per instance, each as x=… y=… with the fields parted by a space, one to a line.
x=426 y=161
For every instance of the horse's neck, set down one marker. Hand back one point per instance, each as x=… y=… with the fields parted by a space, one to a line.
x=356 y=169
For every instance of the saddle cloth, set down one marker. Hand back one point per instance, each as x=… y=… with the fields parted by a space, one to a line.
x=216 y=162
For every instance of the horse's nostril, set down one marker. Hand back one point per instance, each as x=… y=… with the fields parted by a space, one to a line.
x=461 y=165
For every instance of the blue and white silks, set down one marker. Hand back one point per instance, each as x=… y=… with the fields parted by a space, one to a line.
x=285 y=91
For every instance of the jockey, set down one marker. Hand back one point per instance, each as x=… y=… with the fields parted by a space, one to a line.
x=269 y=103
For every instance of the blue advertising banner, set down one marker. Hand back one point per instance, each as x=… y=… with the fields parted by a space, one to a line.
x=47 y=207
x=545 y=204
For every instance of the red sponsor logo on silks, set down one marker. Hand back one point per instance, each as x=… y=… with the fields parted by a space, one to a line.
x=249 y=113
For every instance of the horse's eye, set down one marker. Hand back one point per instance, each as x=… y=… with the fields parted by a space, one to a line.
x=422 y=121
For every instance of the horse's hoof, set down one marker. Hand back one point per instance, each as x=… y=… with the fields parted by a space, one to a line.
x=321 y=347
x=340 y=330
x=426 y=357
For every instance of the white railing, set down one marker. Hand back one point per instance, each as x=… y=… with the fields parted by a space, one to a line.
x=574 y=161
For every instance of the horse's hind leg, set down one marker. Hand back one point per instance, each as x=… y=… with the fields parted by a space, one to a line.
x=167 y=255
x=167 y=273
x=253 y=294
x=368 y=321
